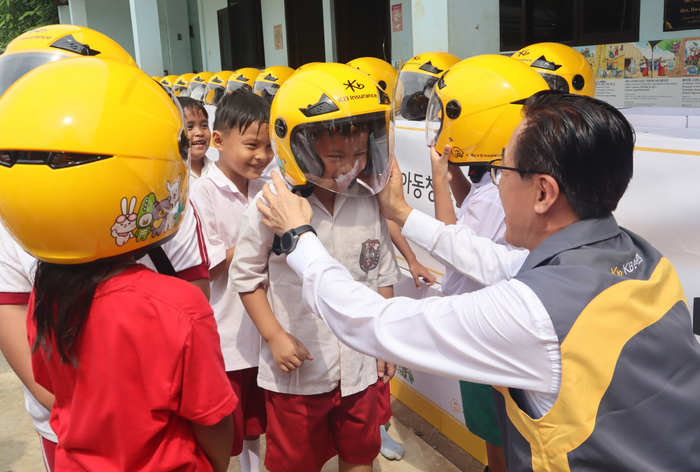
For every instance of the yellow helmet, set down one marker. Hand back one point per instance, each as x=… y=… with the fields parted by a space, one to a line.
x=381 y=72
x=168 y=81
x=329 y=128
x=51 y=43
x=156 y=78
x=562 y=67
x=415 y=83
x=269 y=81
x=477 y=104
x=242 y=79
x=198 y=85
x=216 y=87
x=107 y=174
x=181 y=86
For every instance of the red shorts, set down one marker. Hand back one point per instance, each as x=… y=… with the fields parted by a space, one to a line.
x=249 y=417
x=384 y=402
x=48 y=450
x=305 y=431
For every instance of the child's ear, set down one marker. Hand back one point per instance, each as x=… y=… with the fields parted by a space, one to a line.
x=217 y=140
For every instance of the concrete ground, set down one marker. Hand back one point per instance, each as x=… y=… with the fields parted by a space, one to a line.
x=426 y=448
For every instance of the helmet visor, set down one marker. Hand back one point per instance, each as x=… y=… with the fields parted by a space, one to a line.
x=433 y=120
x=350 y=156
x=413 y=91
x=555 y=82
x=215 y=92
x=14 y=66
x=197 y=90
x=235 y=85
x=181 y=90
x=266 y=90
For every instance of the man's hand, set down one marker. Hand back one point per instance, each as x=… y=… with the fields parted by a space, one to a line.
x=391 y=199
x=385 y=371
x=285 y=210
x=289 y=353
x=440 y=163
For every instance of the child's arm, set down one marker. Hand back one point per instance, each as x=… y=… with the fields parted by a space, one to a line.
x=215 y=440
x=418 y=270
x=445 y=182
x=289 y=353
x=222 y=267
x=386 y=370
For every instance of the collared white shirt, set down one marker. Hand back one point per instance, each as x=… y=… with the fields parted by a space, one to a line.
x=205 y=170
x=357 y=235
x=221 y=206
x=500 y=335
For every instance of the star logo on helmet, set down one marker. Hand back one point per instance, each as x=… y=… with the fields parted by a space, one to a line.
x=352 y=85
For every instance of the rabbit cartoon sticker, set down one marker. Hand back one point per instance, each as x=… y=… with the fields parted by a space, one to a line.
x=125 y=224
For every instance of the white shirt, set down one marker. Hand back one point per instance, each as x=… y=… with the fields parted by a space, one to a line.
x=205 y=169
x=221 y=206
x=482 y=211
x=355 y=223
x=500 y=335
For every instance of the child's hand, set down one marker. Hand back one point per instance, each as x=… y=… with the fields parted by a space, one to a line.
x=419 y=271
x=440 y=163
x=289 y=353
x=385 y=371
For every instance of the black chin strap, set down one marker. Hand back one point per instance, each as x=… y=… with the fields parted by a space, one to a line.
x=161 y=261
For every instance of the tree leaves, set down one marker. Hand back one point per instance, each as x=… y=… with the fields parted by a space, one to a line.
x=19 y=16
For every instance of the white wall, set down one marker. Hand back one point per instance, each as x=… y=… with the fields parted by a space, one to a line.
x=473 y=28
x=430 y=26
x=211 y=60
x=273 y=14
x=402 y=41
x=112 y=18
x=196 y=42
x=177 y=24
x=651 y=17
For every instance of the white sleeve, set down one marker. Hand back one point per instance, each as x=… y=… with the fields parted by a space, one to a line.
x=501 y=335
x=460 y=249
x=16 y=266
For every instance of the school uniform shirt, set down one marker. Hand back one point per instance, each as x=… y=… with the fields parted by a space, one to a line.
x=205 y=170
x=220 y=206
x=357 y=235
x=148 y=364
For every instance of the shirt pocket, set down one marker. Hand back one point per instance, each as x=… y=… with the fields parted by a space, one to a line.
x=365 y=252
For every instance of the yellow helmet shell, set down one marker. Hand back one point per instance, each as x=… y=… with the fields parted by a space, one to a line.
x=107 y=174
x=198 y=85
x=216 y=87
x=381 y=72
x=330 y=97
x=477 y=104
x=242 y=78
x=181 y=86
x=157 y=78
x=53 y=42
x=415 y=83
x=268 y=82
x=168 y=81
x=562 y=67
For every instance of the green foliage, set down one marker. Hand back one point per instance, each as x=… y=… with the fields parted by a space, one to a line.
x=18 y=16
x=667 y=45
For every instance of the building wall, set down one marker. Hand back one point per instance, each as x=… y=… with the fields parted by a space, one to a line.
x=430 y=26
x=178 y=36
x=112 y=18
x=651 y=17
x=473 y=27
x=195 y=42
x=273 y=14
x=211 y=60
x=402 y=41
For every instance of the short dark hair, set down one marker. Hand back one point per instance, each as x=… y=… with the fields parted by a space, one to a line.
x=193 y=106
x=585 y=144
x=240 y=109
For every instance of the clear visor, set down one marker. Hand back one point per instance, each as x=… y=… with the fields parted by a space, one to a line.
x=215 y=92
x=433 y=120
x=235 y=85
x=555 y=82
x=197 y=90
x=413 y=91
x=14 y=66
x=181 y=90
x=266 y=90
x=350 y=156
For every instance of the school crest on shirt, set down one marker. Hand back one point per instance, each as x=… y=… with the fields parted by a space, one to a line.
x=369 y=256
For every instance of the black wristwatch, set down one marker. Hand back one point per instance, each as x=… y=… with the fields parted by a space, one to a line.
x=288 y=241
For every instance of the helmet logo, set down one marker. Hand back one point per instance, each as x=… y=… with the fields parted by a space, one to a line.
x=429 y=67
x=323 y=106
x=352 y=85
x=524 y=52
x=369 y=255
x=216 y=80
x=271 y=78
x=543 y=63
x=457 y=153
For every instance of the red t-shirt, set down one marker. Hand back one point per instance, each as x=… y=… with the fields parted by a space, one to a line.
x=149 y=361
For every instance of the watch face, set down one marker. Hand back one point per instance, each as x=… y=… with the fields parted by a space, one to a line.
x=287 y=241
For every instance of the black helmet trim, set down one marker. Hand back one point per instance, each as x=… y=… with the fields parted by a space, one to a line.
x=217 y=80
x=323 y=106
x=53 y=159
x=383 y=96
x=271 y=78
x=281 y=128
x=429 y=67
x=542 y=63
x=578 y=82
x=68 y=43
x=198 y=79
x=241 y=78
x=453 y=109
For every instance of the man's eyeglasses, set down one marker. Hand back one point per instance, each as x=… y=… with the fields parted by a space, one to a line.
x=495 y=169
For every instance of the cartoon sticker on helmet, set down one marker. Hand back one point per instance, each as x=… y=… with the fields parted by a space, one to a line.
x=369 y=256
x=153 y=217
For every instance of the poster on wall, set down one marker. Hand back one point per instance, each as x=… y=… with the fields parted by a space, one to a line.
x=396 y=18
x=278 y=37
x=656 y=73
x=681 y=14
